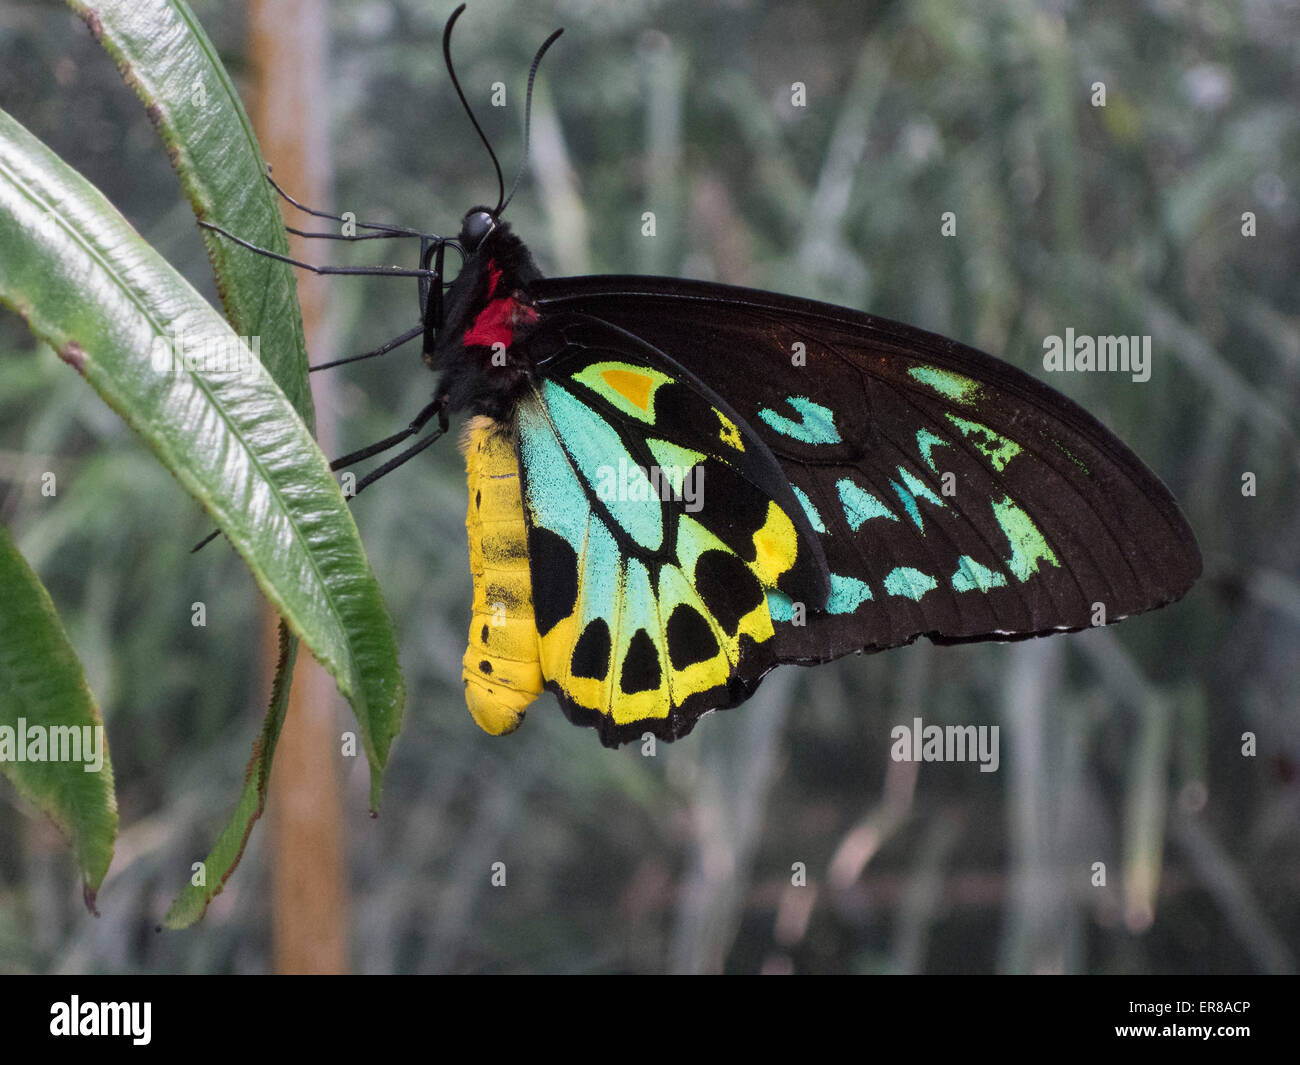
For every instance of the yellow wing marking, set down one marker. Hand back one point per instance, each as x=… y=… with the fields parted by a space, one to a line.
x=729 y=434
x=632 y=386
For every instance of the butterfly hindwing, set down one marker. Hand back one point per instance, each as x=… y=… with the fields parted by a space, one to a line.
x=659 y=523
x=953 y=495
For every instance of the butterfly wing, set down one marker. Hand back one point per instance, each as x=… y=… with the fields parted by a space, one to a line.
x=658 y=524
x=953 y=495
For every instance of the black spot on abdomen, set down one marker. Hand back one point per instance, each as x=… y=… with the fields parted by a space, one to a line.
x=641 y=672
x=690 y=639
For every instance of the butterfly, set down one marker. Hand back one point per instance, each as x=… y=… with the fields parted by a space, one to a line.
x=675 y=486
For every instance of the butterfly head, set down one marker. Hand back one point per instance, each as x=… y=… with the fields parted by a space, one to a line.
x=475 y=335
x=474 y=229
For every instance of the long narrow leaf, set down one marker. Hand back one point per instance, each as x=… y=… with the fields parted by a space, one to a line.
x=89 y=286
x=167 y=59
x=192 y=903
x=52 y=743
x=170 y=63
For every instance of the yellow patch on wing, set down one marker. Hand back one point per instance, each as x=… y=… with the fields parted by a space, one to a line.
x=711 y=672
x=632 y=386
x=557 y=663
x=776 y=546
x=616 y=591
x=729 y=434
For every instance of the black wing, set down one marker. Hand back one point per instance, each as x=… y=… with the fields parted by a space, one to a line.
x=954 y=496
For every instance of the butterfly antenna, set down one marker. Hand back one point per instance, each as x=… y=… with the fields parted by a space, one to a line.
x=383 y=228
x=528 y=113
x=451 y=70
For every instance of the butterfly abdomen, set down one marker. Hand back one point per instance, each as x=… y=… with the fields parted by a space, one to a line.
x=502 y=670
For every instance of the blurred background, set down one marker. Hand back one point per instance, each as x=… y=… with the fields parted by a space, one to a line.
x=779 y=837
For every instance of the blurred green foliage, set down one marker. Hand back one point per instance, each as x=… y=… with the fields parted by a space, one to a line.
x=1122 y=746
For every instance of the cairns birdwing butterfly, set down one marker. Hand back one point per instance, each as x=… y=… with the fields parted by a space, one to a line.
x=675 y=486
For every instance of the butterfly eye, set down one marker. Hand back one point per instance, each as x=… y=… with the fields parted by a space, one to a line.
x=477 y=225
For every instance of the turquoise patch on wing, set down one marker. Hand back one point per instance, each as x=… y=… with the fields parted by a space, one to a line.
x=814 y=518
x=909 y=583
x=847 y=594
x=926 y=442
x=780 y=606
x=601 y=562
x=972 y=577
x=595 y=448
x=1028 y=547
x=997 y=449
x=816 y=423
x=860 y=506
x=556 y=496
x=677 y=469
x=952 y=385
x=915 y=489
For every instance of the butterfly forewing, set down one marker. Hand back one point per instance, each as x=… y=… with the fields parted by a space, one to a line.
x=953 y=495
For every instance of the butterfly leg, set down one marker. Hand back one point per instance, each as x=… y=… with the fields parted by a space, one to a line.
x=396 y=342
x=437 y=407
x=382 y=271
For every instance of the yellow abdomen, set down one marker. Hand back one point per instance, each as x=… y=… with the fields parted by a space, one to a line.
x=502 y=667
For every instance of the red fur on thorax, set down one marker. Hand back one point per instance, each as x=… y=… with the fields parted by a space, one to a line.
x=496 y=323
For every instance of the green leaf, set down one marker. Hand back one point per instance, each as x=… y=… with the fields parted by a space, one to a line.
x=192 y=903
x=168 y=61
x=90 y=287
x=43 y=693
